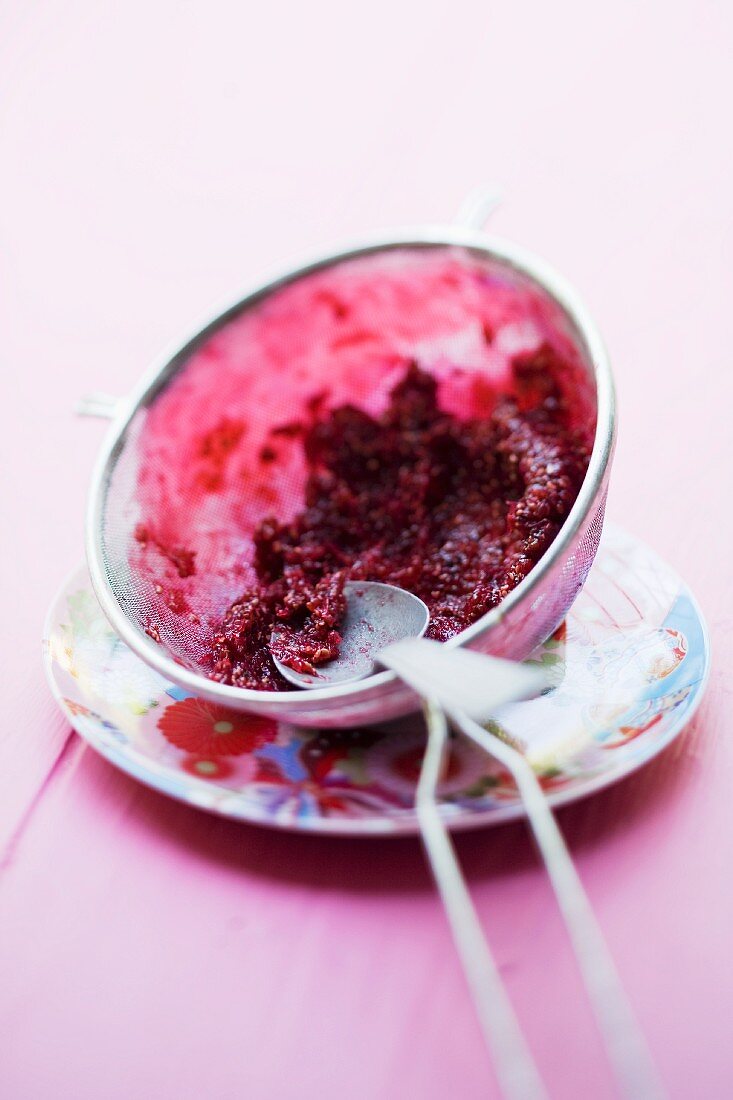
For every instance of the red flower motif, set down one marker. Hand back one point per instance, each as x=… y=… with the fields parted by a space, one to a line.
x=328 y=801
x=408 y=764
x=204 y=768
x=630 y=732
x=77 y=708
x=206 y=730
x=504 y=781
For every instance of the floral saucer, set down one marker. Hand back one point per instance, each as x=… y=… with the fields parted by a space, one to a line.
x=628 y=669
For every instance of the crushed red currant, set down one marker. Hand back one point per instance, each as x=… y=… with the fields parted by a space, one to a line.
x=457 y=511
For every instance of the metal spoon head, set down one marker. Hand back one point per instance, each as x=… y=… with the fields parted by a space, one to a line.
x=377 y=615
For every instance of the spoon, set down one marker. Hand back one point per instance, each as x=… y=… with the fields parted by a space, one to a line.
x=384 y=625
x=377 y=615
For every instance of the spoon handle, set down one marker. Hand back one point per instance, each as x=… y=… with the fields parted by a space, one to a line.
x=513 y=1063
x=624 y=1042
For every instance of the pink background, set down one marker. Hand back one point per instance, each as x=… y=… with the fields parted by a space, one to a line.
x=155 y=158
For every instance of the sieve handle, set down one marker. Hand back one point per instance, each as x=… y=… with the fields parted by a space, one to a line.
x=476 y=208
x=102 y=405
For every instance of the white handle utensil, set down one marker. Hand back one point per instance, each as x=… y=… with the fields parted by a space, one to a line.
x=466 y=686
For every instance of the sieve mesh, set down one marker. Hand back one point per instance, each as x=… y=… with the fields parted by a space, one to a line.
x=190 y=476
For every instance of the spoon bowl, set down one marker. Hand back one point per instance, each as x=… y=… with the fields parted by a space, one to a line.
x=377 y=615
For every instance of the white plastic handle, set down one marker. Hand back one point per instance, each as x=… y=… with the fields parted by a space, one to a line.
x=624 y=1042
x=515 y=1069
x=455 y=682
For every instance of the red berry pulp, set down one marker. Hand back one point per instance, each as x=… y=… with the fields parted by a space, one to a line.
x=420 y=416
x=456 y=511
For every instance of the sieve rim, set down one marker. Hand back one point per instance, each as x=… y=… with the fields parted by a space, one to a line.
x=507 y=253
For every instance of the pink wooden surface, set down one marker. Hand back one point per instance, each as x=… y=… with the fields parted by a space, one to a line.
x=155 y=158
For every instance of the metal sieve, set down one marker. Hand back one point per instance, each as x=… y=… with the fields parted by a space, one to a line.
x=134 y=497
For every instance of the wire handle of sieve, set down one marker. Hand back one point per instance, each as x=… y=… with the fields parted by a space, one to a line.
x=103 y=406
x=477 y=207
